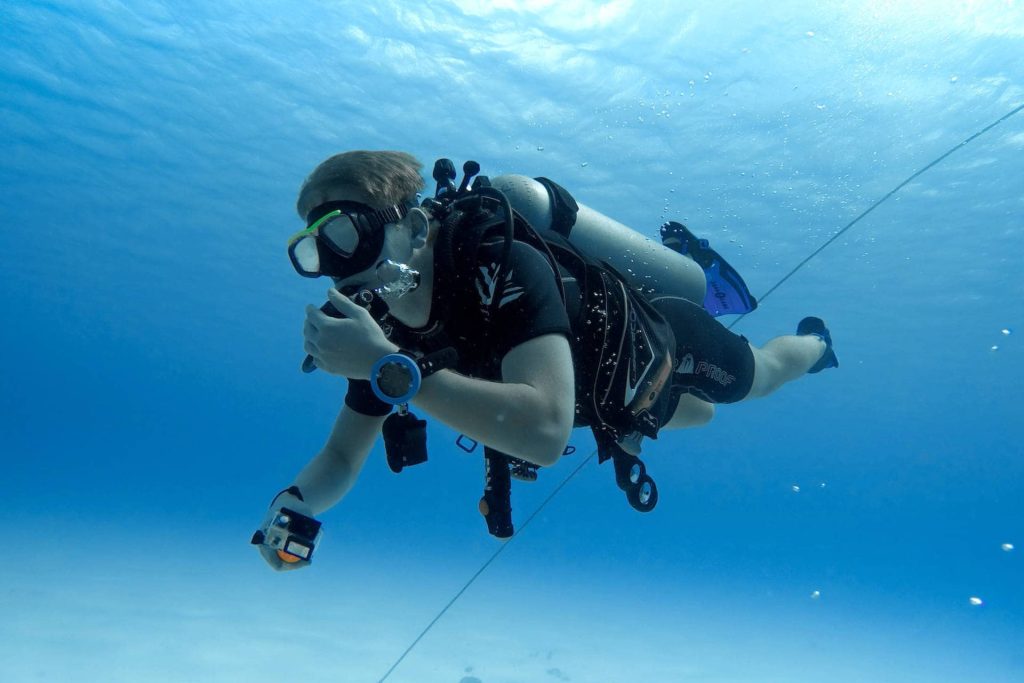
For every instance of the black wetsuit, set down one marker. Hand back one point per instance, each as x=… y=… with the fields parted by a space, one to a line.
x=712 y=363
x=463 y=316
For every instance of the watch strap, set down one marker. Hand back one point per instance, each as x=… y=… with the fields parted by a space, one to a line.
x=436 y=361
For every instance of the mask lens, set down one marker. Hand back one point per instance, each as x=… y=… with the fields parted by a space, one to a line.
x=305 y=256
x=340 y=235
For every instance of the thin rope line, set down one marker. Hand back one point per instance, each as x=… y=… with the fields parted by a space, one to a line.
x=486 y=564
x=764 y=296
x=875 y=206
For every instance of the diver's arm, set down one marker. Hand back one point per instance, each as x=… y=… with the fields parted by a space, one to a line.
x=528 y=415
x=332 y=473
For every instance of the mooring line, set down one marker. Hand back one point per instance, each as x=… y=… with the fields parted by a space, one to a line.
x=874 y=206
x=486 y=564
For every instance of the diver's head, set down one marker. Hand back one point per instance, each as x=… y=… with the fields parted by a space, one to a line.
x=378 y=179
x=360 y=211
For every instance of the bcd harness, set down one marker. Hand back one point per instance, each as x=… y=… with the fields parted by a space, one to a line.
x=621 y=346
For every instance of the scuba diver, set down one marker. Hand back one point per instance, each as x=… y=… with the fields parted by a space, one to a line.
x=511 y=313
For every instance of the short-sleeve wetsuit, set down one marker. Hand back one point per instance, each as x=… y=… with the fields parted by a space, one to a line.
x=481 y=330
x=711 y=362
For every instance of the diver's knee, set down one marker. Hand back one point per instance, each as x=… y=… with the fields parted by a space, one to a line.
x=691 y=412
x=704 y=414
x=767 y=371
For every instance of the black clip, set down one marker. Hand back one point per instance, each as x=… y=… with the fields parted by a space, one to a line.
x=460 y=442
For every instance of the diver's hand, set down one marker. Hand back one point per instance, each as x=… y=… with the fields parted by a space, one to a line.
x=287 y=500
x=346 y=346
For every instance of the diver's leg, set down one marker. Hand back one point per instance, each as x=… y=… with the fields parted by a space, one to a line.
x=691 y=412
x=712 y=365
x=782 y=360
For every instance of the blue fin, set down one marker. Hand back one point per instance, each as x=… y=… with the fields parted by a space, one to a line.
x=727 y=293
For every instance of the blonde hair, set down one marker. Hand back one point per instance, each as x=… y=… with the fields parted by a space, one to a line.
x=379 y=179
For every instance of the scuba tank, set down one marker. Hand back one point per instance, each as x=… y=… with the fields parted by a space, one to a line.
x=650 y=268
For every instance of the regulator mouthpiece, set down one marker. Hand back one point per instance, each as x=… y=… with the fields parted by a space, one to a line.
x=397 y=280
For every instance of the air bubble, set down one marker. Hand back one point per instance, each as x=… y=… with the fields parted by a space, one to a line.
x=815 y=595
x=796 y=488
x=1007 y=331
x=976 y=601
x=1007 y=547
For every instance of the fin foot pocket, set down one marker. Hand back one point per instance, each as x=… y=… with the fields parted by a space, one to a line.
x=678 y=238
x=816 y=326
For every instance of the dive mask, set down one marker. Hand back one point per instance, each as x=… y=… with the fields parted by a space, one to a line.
x=341 y=238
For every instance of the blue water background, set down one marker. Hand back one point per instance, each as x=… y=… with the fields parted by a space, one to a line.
x=151 y=401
